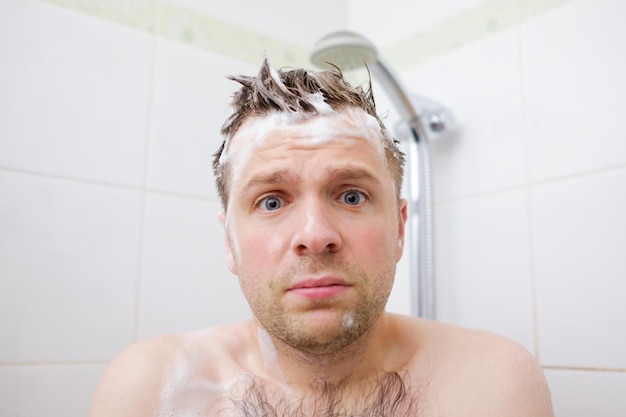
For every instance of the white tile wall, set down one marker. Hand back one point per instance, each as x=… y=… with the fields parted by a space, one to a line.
x=399 y=18
x=586 y=393
x=68 y=267
x=299 y=23
x=34 y=391
x=482 y=264
x=185 y=282
x=74 y=94
x=191 y=100
x=480 y=84
x=579 y=241
x=574 y=87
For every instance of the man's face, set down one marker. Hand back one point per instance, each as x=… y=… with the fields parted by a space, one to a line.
x=314 y=228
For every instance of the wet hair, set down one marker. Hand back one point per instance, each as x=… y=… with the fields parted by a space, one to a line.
x=296 y=91
x=391 y=396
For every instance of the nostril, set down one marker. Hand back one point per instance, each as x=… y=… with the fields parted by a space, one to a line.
x=332 y=247
x=316 y=229
x=323 y=240
x=317 y=248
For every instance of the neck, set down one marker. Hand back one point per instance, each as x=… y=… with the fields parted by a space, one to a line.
x=363 y=359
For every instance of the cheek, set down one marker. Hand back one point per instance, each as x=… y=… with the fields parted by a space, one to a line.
x=378 y=242
x=258 y=249
x=274 y=244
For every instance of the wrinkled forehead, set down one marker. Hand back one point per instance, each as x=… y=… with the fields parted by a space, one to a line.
x=315 y=130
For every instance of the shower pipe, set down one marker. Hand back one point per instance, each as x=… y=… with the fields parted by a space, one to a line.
x=348 y=51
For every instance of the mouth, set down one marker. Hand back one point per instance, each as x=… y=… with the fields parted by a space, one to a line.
x=316 y=288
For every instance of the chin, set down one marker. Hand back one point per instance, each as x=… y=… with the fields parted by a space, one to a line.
x=323 y=340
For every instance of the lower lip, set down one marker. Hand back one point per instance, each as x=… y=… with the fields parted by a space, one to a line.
x=328 y=291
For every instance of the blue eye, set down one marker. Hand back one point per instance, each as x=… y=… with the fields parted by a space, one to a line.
x=271 y=203
x=352 y=198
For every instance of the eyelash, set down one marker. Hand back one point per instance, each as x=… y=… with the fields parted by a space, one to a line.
x=266 y=198
x=263 y=200
x=362 y=196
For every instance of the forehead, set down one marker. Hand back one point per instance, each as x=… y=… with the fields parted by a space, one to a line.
x=280 y=130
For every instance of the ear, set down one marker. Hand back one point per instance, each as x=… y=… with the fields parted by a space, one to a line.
x=230 y=257
x=402 y=217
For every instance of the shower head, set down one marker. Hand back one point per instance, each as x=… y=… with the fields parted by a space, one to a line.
x=347 y=50
x=350 y=51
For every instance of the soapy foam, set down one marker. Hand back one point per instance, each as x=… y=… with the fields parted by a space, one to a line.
x=276 y=78
x=317 y=101
x=268 y=350
x=319 y=129
x=186 y=392
x=234 y=243
x=348 y=320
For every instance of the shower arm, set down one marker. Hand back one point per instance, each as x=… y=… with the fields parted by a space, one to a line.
x=394 y=90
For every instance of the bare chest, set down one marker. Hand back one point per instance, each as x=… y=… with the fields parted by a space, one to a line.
x=392 y=395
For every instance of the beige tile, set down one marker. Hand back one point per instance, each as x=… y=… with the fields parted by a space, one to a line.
x=275 y=18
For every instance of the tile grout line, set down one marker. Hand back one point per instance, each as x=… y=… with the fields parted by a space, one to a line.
x=105 y=362
x=146 y=169
x=527 y=190
x=52 y=363
x=105 y=184
x=583 y=369
x=68 y=178
x=530 y=185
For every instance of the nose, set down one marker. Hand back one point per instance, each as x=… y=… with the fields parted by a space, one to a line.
x=315 y=230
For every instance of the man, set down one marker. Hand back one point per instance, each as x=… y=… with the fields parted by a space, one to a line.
x=310 y=180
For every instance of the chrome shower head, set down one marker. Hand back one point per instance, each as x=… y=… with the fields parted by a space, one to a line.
x=350 y=51
x=347 y=50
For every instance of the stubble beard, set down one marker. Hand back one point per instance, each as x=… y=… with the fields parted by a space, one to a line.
x=348 y=325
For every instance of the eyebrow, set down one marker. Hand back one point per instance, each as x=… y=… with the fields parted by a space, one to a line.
x=354 y=174
x=289 y=177
x=276 y=177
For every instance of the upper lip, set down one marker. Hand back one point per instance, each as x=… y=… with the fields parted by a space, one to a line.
x=318 y=282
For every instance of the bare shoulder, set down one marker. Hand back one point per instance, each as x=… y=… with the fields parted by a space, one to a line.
x=132 y=381
x=136 y=380
x=483 y=374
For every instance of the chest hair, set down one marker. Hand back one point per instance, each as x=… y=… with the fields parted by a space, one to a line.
x=392 y=395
